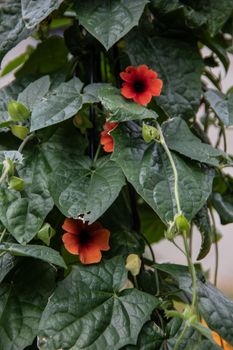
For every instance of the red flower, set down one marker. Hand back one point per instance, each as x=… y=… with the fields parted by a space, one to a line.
x=85 y=240
x=141 y=84
x=106 y=139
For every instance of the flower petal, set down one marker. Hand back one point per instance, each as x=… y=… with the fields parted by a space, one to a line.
x=90 y=254
x=155 y=87
x=72 y=226
x=143 y=98
x=94 y=227
x=109 y=126
x=100 y=238
x=128 y=91
x=71 y=243
x=104 y=139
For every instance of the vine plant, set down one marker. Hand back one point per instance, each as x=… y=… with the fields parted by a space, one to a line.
x=105 y=150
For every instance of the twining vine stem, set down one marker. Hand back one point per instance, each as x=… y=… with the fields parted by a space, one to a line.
x=25 y=141
x=184 y=233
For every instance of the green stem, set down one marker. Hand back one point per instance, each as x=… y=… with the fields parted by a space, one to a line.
x=181 y=336
x=97 y=153
x=184 y=233
x=192 y=272
x=25 y=141
x=176 y=187
x=135 y=282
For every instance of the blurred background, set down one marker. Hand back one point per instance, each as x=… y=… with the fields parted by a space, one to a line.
x=165 y=251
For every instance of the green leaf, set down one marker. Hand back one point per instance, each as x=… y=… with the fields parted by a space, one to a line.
x=181 y=91
x=152 y=227
x=214 y=307
x=12 y=29
x=197 y=13
x=91 y=92
x=34 y=12
x=179 y=138
x=7 y=263
x=202 y=222
x=34 y=92
x=113 y=318
x=23 y=213
x=223 y=203
x=230 y=107
x=57 y=105
x=34 y=251
x=124 y=240
x=23 y=216
x=49 y=56
x=218 y=104
x=150 y=338
x=147 y=167
x=16 y=62
x=121 y=109
x=80 y=187
x=22 y=302
x=109 y=20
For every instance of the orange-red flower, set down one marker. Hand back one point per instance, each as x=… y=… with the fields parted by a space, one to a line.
x=106 y=139
x=141 y=83
x=218 y=339
x=85 y=240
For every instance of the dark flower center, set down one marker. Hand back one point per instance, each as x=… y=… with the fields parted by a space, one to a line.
x=139 y=86
x=84 y=237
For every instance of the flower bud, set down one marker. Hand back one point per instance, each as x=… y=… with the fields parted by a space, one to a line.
x=171 y=232
x=16 y=183
x=149 y=133
x=82 y=123
x=133 y=264
x=46 y=233
x=9 y=165
x=19 y=131
x=17 y=111
x=182 y=223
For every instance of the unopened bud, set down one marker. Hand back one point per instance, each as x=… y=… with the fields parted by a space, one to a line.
x=82 y=123
x=149 y=133
x=19 y=131
x=46 y=233
x=133 y=264
x=171 y=232
x=182 y=223
x=16 y=183
x=17 y=111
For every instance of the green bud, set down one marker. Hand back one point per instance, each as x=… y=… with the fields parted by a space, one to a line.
x=171 y=232
x=17 y=111
x=16 y=183
x=19 y=131
x=46 y=233
x=182 y=223
x=9 y=164
x=149 y=133
x=82 y=122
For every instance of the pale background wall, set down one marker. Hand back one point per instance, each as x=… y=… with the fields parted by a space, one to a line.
x=165 y=251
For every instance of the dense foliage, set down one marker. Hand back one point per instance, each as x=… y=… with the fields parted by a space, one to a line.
x=93 y=171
